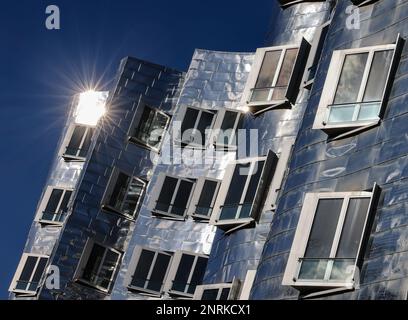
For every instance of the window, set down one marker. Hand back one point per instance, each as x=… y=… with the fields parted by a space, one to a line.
x=225 y=128
x=171 y=196
x=29 y=274
x=148 y=270
x=124 y=194
x=242 y=191
x=315 y=53
x=203 y=199
x=54 y=206
x=77 y=143
x=362 y=79
x=98 y=266
x=187 y=273
x=148 y=127
x=329 y=239
x=275 y=77
x=194 y=123
x=219 y=291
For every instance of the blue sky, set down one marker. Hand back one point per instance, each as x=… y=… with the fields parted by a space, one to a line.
x=41 y=69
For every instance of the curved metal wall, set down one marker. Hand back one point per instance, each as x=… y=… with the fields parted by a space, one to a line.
x=377 y=155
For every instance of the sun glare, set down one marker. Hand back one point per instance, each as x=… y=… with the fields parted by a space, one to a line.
x=91 y=107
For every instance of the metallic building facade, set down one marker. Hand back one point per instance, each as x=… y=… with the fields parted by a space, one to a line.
x=215 y=82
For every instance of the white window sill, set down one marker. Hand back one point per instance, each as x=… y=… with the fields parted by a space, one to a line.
x=110 y=209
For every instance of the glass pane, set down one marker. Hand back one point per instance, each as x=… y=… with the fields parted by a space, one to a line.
x=183 y=273
x=182 y=197
x=25 y=276
x=142 y=270
x=350 y=78
x=378 y=75
x=369 y=111
x=143 y=131
x=227 y=128
x=53 y=201
x=313 y=269
x=159 y=272
x=166 y=194
x=108 y=268
x=210 y=294
x=189 y=120
x=342 y=113
x=151 y=128
x=260 y=95
x=251 y=191
x=198 y=274
x=225 y=293
x=93 y=263
x=343 y=269
x=39 y=271
x=87 y=143
x=65 y=201
x=119 y=191
x=204 y=206
x=284 y=74
x=234 y=194
x=75 y=142
x=132 y=197
x=203 y=124
x=268 y=69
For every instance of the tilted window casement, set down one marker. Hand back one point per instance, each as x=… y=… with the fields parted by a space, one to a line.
x=148 y=127
x=275 y=77
x=54 y=205
x=204 y=197
x=242 y=191
x=224 y=131
x=98 y=266
x=357 y=87
x=77 y=142
x=330 y=239
x=218 y=291
x=171 y=196
x=124 y=194
x=29 y=275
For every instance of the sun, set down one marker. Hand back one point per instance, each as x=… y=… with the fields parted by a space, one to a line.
x=91 y=107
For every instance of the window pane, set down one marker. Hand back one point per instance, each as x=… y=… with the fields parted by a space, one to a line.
x=142 y=270
x=119 y=191
x=94 y=261
x=225 y=293
x=75 y=142
x=204 y=206
x=182 y=197
x=268 y=69
x=55 y=197
x=369 y=111
x=342 y=113
x=203 y=124
x=313 y=269
x=23 y=281
x=65 y=201
x=39 y=271
x=183 y=273
x=210 y=294
x=251 y=192
x=151 y=128
x=87 y=143
x=198 y=274
x=132 y=197
x=166 y=194
x=378 y=75
x=227 y=128
x=107 y=270
x=189 y=120
x=159 y=272
x=284 y=74
x=350 y=78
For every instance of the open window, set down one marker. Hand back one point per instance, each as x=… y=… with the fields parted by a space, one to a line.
x=242 y=191
x=224 y=132
x=77 y=142
x=148 y=127
x=193 y=123
x=98 y=265
x=54 y=205
x=123 y=194
x=357 y=87
x=186 y=273
x=218 y=291
x=203 y=199
x=148 y=270
x=29 y=274
x=275 y=77
x=171 y=196
x=330 y=240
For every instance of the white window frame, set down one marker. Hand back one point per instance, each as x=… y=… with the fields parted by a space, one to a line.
x=173 y=271
x=44 y=202
x=157 y=191
x=19 y=270
x=302 y=234
x=133 y=265
x=333 y=77
x=198 y=189
x=67 y=140
x=234 y=287
x=136 y=123
x=109 y=189
x=232 y=224
x=84 y=260
x=180 y=118
x=216 y=130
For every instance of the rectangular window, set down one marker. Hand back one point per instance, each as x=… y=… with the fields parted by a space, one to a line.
x=78 y=143
x=242 y=191
x=29 y=274
x=219 y=291
x=328 y=240
x=98 y=266
x=362 y=79
x=54 y=206
x=124 y=194
x=172 y=196
x=149 y=127
x=148 y=269
x=187 y=273
x=193 y=125
x=224 y=132
x=203 y=199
